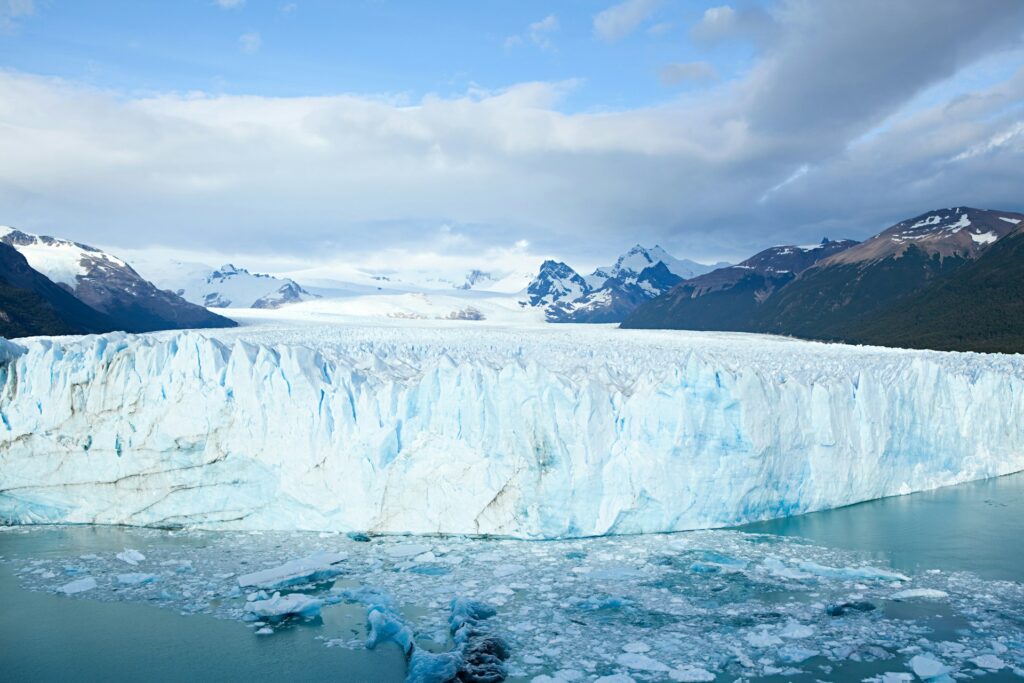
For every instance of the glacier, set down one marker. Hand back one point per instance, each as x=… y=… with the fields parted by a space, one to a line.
x=468 y=429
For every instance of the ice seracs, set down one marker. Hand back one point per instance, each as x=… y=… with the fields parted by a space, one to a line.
x=544 y=432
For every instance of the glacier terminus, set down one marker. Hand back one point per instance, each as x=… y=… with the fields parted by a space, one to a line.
x=528 y=432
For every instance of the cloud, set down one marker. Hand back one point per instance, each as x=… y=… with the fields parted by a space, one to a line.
x=825 y=133
x=250 y=42
x=660 y=29
x=229 y=4
x=289 y=7
x=683 y=72
x=13 y=10
x=717 y=22
x=538 y=33
x=618 y=21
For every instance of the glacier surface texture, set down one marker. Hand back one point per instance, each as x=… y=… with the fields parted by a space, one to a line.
x=532 y=433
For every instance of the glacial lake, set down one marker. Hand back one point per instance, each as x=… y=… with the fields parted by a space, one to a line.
x=780 y=600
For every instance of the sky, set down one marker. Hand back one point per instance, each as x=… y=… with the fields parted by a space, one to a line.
x=489 y=134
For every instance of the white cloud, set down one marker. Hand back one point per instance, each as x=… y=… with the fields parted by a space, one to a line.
x=360 y=175
x=250 y=42
x=618 y=21
x=717 y=22
x=683 y=72
x=289 y=7
x=229 y=4
x=539 y=33
x=660 y=29
x=13 y=10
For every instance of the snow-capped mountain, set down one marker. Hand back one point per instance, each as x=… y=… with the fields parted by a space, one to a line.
x=109 y=285
x=842 y=294
x=959 y=231
x=639 y=258
x=886 y=289
x=556 y=283
x=232 y=287
x=611 y=293
x=31 y=304
x=729 y=298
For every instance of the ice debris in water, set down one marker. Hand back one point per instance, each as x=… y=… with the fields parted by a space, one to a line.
x=628 y=607
x=86 y=583
x=131 y=556
x=317 y=567
x=279 y=606
x=135 y=579
x=928 y=668
x=923 y=593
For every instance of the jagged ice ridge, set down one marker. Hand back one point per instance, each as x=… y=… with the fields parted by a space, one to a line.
x=534 y=433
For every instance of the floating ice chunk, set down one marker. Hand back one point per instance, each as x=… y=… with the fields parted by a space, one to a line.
x=691 y=674
x=711 y=561
x=135 y=579
x=925 y=593
x=852 y=573
x=636 y=646
x=793 y=654
x=280 y=606
x=504 y=570
x=763 y=639
x=265 y=631
x=81 y=585
x=795 y=629
x=927 y=667
x=131 y=556
x=317 y=567
x=990 y=662
x=640 y=662
x=615 y=678
x=895 y=677
x=777 y=568
x=431 y=667
x=406 y=550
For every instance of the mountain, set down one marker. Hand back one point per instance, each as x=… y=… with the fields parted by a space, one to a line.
x=840 y=295
x=730 y=298
x=31 y=304
x=980 y=307
x=109 y=285
x=556 y=288
x=611 y=293
x=639 y=258
x=232 y=287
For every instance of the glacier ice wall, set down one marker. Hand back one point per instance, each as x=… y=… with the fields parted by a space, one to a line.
x=522 y=433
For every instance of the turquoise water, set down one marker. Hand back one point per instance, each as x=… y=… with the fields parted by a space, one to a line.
x=976 y=527
x=115 y=633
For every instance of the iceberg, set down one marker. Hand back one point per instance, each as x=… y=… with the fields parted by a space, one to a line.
x=317 y=567
x=279 y=606
x=528 y=433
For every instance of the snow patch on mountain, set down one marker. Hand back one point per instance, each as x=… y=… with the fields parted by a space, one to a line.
x=232 y=287
x=62 y=261
x=611 y=293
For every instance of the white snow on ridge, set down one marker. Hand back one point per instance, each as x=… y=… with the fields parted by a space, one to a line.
x=468 y=428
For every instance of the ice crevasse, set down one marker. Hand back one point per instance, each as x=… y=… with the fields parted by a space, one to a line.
x=536 y=434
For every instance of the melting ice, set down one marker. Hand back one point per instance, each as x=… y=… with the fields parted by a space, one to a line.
x=682 y=607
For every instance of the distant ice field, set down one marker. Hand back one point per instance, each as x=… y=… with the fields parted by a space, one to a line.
x=322 y=419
